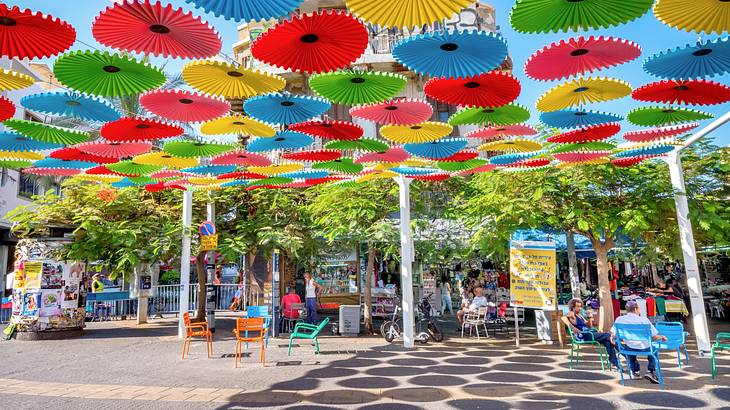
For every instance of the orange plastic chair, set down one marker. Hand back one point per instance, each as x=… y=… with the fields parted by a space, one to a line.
x=196 y=329
x=246 y=326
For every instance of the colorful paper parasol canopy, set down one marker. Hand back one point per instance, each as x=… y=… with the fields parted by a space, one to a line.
x=132 y=168
x=343 y=165
x=248 y=10
x=582 y=91
x=227 y=80
x=313 y=43
x=518 y=130
x=241 y=157
x=13 y=80
x=399 y=111
x=507 y=159
x=105 y=74
x=166 y=160
x=319 y=155
x=577 y=118
x=579 y=55
x=363 y=144
x=285 y=108
x=74 y=154
x=71 y=104
x=196 y=149
x=282 y=140
x=492 y=89
x=237 y=124
x=591 y=133
x=55 y=172
x=10 y=141
x=416 y=133
x=357 y=87
x=151 y=28
x=184 y=106
x=695 y=92
x=392 y=155
x=24 y=34
x=114 y=149
x=512 y=145
x=649 y=150
x=26 y=155
x=543 y=16
x=505 y=115
x=333 y=130
x=653 y=134
x=15 y=163
x=439 y=149
x=63 y=163
x=7 y=108
x=47 y=133
x=405 y=13
x=451 y=53
x=708 y=16
x=654 y=116
x=702 y=59
x=138 y=129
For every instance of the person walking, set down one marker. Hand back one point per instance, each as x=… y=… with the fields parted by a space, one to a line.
x=310 y=301
x=446 y=296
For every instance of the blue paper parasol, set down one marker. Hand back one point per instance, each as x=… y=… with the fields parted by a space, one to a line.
x=282 y=140
x=306 y=174
x=247 y=10
x=412 y=171
x=648 y=151
x=210 y=169
x=703 y=59
x=452 y=54
x=507 y=159
x=10 y=141
x=237 y=182
x=577 y=118
x=62 y=163
x=124 y=183
x=441 y=148
x=284 y=108
x=70 y=104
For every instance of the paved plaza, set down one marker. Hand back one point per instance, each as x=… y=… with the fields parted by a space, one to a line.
x=122 y=365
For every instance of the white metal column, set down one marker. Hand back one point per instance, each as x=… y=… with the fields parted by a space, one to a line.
x=686 y=238
x=406 y=264
x=210 y=273
x=187 y=220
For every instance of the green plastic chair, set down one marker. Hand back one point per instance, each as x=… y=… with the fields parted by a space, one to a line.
x=575 y=345
x=722 y=342
x=307 y=331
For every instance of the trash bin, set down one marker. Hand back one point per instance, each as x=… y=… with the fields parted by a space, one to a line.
x=349 y=320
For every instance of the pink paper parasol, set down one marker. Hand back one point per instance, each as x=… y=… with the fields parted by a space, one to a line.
x=581 y=156
x=56 y=172
x=241 y=157
x=320 y=155
x=403 y=111
x=395 y=154
x=518 y=130
x=114 y=149
x=184 y=106
x=334 y=130
x=652 y=134
x=587 y=134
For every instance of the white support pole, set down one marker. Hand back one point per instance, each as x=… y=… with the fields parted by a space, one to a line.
x=406 y=264
x=703 y=132
x=210 y=274
x=187 y=220
x=686 y=238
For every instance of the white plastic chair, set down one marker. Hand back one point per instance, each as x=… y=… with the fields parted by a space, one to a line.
x=474 y=319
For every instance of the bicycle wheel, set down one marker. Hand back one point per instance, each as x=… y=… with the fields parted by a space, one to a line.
x=392 y=330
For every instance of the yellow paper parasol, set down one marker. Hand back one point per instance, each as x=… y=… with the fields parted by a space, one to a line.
x=205 y=180
x=376 y=174
x=515 y=145
x=599 y=161
x=405 y=13
x=582 y=91
x=416 y=133
x=102 y=178
x=26 y=155
x=709 y=16
x=166 y=160
x=237 y=124
x=277 y=169
x=210 y=187
x=13 y=80
x=227 y=80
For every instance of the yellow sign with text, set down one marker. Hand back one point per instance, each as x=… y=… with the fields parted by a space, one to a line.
x=532 y=268
x=208 y=243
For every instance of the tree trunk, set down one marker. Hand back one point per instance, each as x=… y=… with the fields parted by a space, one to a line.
x=368 y=309
x=604 y=287
x=200 y=268
x=358 y=274
x=573 y=265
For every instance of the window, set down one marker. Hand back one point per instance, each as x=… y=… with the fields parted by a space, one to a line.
x=29 y=185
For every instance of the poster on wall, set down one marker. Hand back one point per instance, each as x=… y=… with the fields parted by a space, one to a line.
x=31 y=304
x=50 y=303
x=70 y=285
x=52 y=275
x=32 y=271
x=533 y=275
x=18 y=299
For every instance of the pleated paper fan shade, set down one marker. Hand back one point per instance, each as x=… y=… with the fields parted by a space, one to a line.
x=313 y=43
x=164 y=159
x=342 y=165
x=10 y=141
x=138 y=129
x=423 y=132
x=24 y=34
x=701 y=16
x=210 y=170
x=7 y=109
x=582 y=91
x=115 y=149
x=439 y=176
x=320 y=155
x=695 y=92
x=451 y=53
x=492 y=89
x=581 y=156
x=650 y=150
x=71 y=104
x=701 y=59
x=405 y=13
x=507 y=159
x=373 y=175
x=577 y=118
x=242 y=158
x=63 y=163
x=13 y=80
x=392 y=155
x=248 y=10
x=15 y=163
x=412 y=171
x=277 y=169
x=132 y=168
x=25 y=155
x=281 y=141
x=105 y=74
x=363 y=144
x=544 y=16
x=399 y=111
x=596 y=161
x=653 y=134
x=242 y=175
x=74 y=154
x=237 y=124
x=584 y=146
x=530 y=163
x=655 y=116
x=151 y=28
x=46 y=133
x=195 y=149
x=590 y=133
x=333 y=130
x=439 y=149
x=52 y=172
x=184 y=106
x=285 y=108
x=518 y=130
x=630 y=161
x=464 y=155
x=579 y=55
x=230 y=81
x=513 y=145
x=357 y=87
x=505 y=115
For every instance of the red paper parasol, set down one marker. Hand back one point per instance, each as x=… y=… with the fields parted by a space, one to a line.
x=465 y=155
x=168 y=173
x=587 y=134
x=479 y=169
x=54 y=172
x=652 y=134
x=631 y=161
x=152 y=28
x=489 y=133
x=241 y=175
x=241 y=157
x=580 y=156
x=313 y=43
x=334 y=130
x=697 y=92
x=7 y=109
x=100 y=170
x=529 y=163
x=114 y=149
x=24 y=34
x=138 y=129
x=402 y=111
x=492 y=89
x=74 y=154
x=319 y=155
x=579 y=55
x=439 y=176
x=184 y=106
x=395 y=154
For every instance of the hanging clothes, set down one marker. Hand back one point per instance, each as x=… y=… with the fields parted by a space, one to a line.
x=661 y=309
x=650 y=307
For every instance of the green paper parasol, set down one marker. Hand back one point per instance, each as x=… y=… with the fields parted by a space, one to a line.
x=461 y=165
x=357 y=87
x=505 y=115
x=363 y=144
x=543 y=16
x=587 y=146
x=142 y=180
x=188 y=149
x=271 y=181
x=344 y=165
x=105 y=74
x=14 y=163
x=131 y=168
x=47 y=133
x=653 y=116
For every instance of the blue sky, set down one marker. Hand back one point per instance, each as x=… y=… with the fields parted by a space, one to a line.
x=652 y=35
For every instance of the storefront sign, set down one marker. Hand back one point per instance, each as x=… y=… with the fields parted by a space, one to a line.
x=208 y=243
x=533 y=275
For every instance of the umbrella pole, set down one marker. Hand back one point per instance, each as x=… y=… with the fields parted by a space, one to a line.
x=406 y=243
x=187 y=219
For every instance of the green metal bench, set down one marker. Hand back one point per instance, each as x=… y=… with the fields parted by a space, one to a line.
x=307 y=331
x=722 y=342
x=575 y=345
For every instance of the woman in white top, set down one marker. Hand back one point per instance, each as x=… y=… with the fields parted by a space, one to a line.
x=311 y=298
